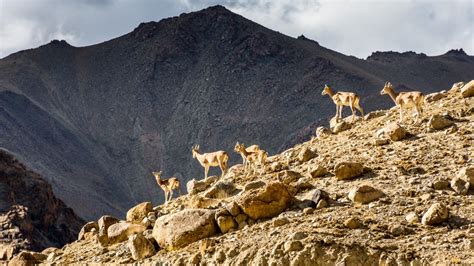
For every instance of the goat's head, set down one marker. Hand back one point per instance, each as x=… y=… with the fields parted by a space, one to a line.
x=386 y=88
x=326 y=90
x=195 y=150
x=157 y=174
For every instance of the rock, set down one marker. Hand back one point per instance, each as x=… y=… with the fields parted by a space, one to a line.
x=302 y=184
x=440 y=184
x=136 y=214
x=317 y=195
x=322 y=132
x=457 y=87
x=412 y=218
x=364 y=194
x=233 y=208
x=468 y=89
x=298 y=236
x=381 y=142
x=375 y=114
x=266 y=202
x=104 y=223
x=151 y=217
x=308 y=210
x=27 y=258
x=140 y=247
x=459 y=185
x=294 y=245
x=352 y=223
x=184 y=227
x=436 y=214
x=397 y=230
x=469 y=243
x=87 y=228
x=195 y=259
x=425 y=197
x=392 y=131
x=195 y=186
x=287 y=176
x=306 y=154
x=467 y=173
x=340 y=127
x=226 y=223
x=254 y=185
x=317 y=172
x=120 y=232
x=280 y=221
x=221 y=190
x=219 y=256
x=276 y=166
x=435 y=96
x=322 y=204
x=438 y=122
x=348 y=170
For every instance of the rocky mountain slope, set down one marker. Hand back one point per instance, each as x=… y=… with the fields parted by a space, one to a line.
x=375 y=193
x=97 y=120
x=31 y=217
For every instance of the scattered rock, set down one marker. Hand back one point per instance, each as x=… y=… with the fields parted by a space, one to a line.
x=221 y=190
x=364 y=194
x=280 y=221
x=392 y=131
x=294 y=245
x=468 y=89
x=184 y=227
x=438 y=122
x=104 y=223
x=397 y=230
x=381 y=142
x=317 y=195
x=87 y=228
x=412 y=218
x=317 y=172
x=120 y=232
x=352 y=223
x=440 y=184
x=348 y=170
x=308 y=210
x=136 y=214
x=436 y=214
x=322 y=204
x=461 y=186
x=140 y=247
x=195 y=186
x=266 y=202
x=298 y=236
x=322 y=132
x=254 y=185
x=287 y=176
x=306 y=154
x=340 y=127
x=467 y=173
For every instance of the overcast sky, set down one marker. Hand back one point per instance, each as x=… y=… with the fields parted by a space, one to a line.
x=349 y=26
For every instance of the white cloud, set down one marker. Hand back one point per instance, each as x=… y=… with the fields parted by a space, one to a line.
x=348 y=26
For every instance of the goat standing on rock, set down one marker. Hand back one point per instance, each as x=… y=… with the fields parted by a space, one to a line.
x=342 y=99
x=405 y=100
x=168 y=185
x=217 y=158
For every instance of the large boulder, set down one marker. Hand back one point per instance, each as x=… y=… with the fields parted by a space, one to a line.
x=136 y=214
x=140 y=247
x=265 y=202
x=104 y=223
x=467 y=173
x=392 y=131
x=87 y=228
x=437 y=122
x=364 y=194
x=468 y=89
x=120 y=232
x=436 y=214
x=180 y=229
x=348 y=170
x=195 y=186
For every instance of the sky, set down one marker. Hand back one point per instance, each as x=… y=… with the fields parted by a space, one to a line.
x=352 y=27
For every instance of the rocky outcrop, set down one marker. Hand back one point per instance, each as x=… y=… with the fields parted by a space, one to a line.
x=139 y=212
x=468 y=89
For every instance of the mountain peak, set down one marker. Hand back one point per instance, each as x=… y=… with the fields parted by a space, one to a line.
x=456 y=52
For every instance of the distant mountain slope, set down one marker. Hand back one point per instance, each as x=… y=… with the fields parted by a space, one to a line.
x=99 y=119
x=31 y=217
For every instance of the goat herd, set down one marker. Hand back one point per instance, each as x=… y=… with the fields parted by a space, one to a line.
x=253 y=156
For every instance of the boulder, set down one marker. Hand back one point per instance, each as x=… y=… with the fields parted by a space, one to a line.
x=136 y=214
x=440 y=184
x=254 y=185
x=87 y=228
x=467 y=173
x=348 y=170
x=435 y=96
x=226 y=223
x=460 y=185
x=27 y=258
x=352 y=223
x=457 y=87
x=195 y=186
x=184 y=227
x=140 y=247
x=317 y=195
x=233 y=208
x=120 y=232
x=340 y=126
x=322 y=132
x=306 y=154
x=265 y=202
x=317 y=171
x=294 y=245
x=104 y=223
x=221 y=190
x=412 y=218
x=468 y=89
x=436 y=214
x=364 y=194
x=438 y=122
x=287 y=176
x=392 y=131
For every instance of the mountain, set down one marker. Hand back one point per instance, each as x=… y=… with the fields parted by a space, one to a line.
x=31 y=217
x=97 y=120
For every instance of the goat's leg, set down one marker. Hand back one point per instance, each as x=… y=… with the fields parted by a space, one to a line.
x=353 y=112
x=166 y=196
x=337 y=113
x=206 y=170
x=401 y=115
x=171 y=194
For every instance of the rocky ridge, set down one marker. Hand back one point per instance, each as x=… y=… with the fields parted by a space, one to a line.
x=356 y=197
